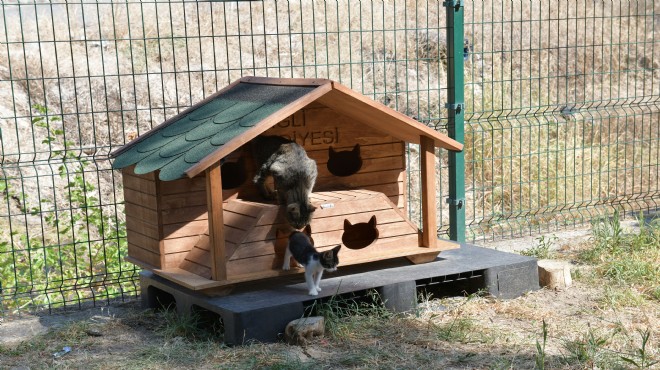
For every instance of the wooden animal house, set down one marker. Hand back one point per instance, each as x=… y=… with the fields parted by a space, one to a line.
x=194 y=216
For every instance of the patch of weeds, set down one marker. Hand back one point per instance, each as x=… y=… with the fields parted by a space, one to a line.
x=460 y=329
x=342 y=315
x=176 y=352
x=628 y=260
x=539 y=358
x=34 y=345
x=543 y=250
x=590 y=350
x=642 y=359
x=187 y=326
x=616 y=296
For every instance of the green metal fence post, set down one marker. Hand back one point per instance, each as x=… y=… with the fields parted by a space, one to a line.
x=455 y=125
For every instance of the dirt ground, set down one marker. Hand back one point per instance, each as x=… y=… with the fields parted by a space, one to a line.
x=587 y=326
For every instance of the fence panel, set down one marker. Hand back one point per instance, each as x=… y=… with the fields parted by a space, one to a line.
x=563 y=122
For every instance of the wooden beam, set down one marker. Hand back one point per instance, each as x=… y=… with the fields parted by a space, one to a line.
x=429 y=211
x=216 y=223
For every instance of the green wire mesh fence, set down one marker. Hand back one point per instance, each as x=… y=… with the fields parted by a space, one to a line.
x=561 y=119
x=82 y=79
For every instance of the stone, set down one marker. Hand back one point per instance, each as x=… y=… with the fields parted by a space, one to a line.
x=302 y=331
x=554 y=274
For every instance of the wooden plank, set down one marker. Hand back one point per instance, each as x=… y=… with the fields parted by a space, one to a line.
x=195 y=268
x=271 y=265
x=141 y=199
x=373 y=166
x=178 y=245
x=236 y=220
x=322 y=128
x=144 y=255
x=188 y=279
x=147 y=215
x=176 y=215
x=429 y=212
x=136 y=225
x=143 y=241
x=276 y=215
x=173 y=259
x=367 y=151
x=200 y=257
x=139 y=184
x=191 y=199
x=184 y=185
x=389 y=190
x=359 y=180
x=260 y=127
x=285 y=81
x=182 y=229
x=251 y=209
x=215 y=222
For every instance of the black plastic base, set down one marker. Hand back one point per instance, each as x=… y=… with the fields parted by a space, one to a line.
x=260 y=310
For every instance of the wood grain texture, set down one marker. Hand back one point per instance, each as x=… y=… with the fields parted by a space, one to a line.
x=215 y=222
x=429 y=212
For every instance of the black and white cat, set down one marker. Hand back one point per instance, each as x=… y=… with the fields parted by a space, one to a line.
x=301 y=247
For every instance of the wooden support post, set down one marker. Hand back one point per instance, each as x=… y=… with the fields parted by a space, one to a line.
x=216 y=224
x=429 y=211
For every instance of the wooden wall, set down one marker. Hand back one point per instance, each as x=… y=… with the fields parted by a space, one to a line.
x=164 y=219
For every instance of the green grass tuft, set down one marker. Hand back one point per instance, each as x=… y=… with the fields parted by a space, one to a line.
x=629 y=260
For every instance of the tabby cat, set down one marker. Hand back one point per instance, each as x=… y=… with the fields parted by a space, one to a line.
x=294 y=174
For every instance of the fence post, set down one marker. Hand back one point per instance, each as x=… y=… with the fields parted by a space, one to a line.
x=456 y=107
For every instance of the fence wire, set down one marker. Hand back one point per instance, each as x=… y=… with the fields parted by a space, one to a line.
x=563 y=121
x=562 y=111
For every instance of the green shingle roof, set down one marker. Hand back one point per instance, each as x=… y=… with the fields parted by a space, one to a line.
x=186 y=139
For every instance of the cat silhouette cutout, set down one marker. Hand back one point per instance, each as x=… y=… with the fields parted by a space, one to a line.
x=344 y=163
x=360 y=235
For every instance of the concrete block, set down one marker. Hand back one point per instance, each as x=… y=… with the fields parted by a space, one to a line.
x=399 y=297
